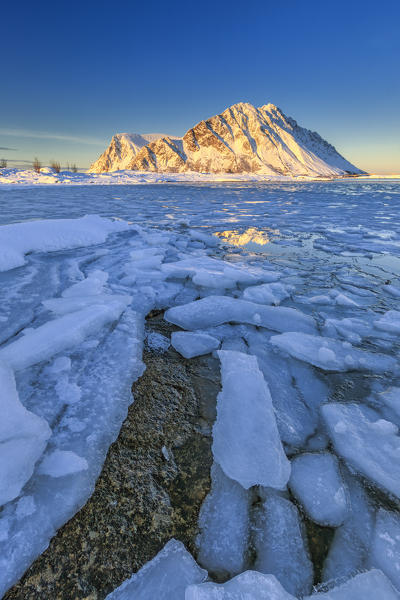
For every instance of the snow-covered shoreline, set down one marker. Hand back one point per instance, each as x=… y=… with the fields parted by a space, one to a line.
x=47 y=176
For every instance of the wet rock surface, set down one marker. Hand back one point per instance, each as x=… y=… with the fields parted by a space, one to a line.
x=154 y=480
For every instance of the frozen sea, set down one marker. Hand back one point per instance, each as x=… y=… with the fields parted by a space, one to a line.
x=295 y=287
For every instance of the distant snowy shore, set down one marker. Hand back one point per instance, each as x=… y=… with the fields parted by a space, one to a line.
x=47 y=176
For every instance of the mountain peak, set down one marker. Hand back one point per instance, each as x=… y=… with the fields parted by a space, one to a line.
x=242 y=139
x=271 y=108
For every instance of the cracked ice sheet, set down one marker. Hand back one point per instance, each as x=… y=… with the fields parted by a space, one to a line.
x=74 y=366
x=136 y=268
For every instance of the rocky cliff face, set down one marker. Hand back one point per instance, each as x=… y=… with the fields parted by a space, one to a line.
x=243 y=139
x=165 y=155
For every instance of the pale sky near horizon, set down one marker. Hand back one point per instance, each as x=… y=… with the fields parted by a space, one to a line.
x=76 y=74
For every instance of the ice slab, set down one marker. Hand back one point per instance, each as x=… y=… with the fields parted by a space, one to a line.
x=372 y=585
x=351 y=542
x=246 y=442
x=85 y=427
x=390 y=322
x=213 y=273
x=209 y=240
x=295 y=391
x=18 y=239
x=92 y=285
x=224 y=526
x=215 y=310
x=56 y=336
x=392 y=290
x=369 y=444
x=316 y=483
x=279 y=540
x=330 y=354
x=351 y=329
x=190 y=344
x=63 y=306
x=250 y=585
x=268 y=293
x=390 y=400
x=23 y=438
x=164 y=578
x=385 y=546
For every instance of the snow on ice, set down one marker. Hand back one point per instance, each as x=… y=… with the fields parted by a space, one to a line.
x=193 y=344
x=18 y=239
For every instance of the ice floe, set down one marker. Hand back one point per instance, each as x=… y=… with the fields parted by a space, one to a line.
x=330 y=354
x=365 y=586
x=224 y=525
x=165 y=577
x=18 y=239
x=23 y=438
x=246 y=442
x=215 y=310
x=316 y=483
x=190 y=344
x=250 y=585
x=369 y=444
x=385 y=546
x=281 y=549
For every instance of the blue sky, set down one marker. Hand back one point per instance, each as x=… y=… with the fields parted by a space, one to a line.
x=75 y=73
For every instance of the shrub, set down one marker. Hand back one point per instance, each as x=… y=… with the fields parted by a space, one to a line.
x=55 y=165
x=3 y=163
x=37 y=165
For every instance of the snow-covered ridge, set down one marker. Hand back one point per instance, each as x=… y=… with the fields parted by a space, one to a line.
x=123 y=147
x=242 y=139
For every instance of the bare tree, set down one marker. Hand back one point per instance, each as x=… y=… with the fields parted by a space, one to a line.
x=3 y=163
x=55 y=165
x=74 y=168
x=37 y=165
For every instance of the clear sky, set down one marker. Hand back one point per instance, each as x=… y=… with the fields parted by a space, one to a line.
x=74 y=73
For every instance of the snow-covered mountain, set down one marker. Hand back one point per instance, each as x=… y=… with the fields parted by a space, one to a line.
x=122 y=149
x=243 y=139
